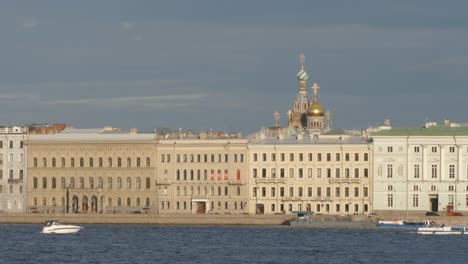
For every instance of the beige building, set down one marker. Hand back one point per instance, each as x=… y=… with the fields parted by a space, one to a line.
x=198 y=174
x=327 y=174
x=91 y=171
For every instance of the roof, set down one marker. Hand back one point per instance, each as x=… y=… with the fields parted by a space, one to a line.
x=314 y=140
x=92 y=137
x=423 y=131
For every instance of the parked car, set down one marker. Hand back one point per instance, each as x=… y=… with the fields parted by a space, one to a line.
x=432 y=213
x=372 y=215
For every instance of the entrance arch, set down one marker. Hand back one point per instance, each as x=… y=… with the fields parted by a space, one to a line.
x=75 y=204
x=308 y=207
x=94 y=204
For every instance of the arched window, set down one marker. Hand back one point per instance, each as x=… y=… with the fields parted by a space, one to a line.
x=53 y=201
x=119 y=202
x=21 y=189
x=109 y=202
x=63 y=183
x=109 y=183
x=138 y=162
x=81 y=162
x=129 y=183
x=212 y=191
x=147 y=202
x=81 y=183
x=35 y=162
x=62 y=162
x=138 y=183
x=219 y=190
x=72 y=162
x=128 y=201
x=91 y=162
x=53 y=162
x=185 y=175
x=148 y=183
x=129 y=162
x=148 y=162
x=35 y=201
x=226 y=191
x=44 y=202
x=44 y=162
x=119 y=162
x=119 y=183
x=54 y=183
x=100 y=183
x=44 y=183
x=198 y=175
x=191 y=175
x=178 y=175
x=34 y=183
x=238 y=191
x=100 y=162
x=109 y=162
x=91 y=183
x=138 y=202
x=72 y=182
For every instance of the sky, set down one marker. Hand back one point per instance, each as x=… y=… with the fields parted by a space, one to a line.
x=228 y=65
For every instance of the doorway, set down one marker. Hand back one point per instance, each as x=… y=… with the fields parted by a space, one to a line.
x=201 y=207
x=259 y=209
x=434 y=201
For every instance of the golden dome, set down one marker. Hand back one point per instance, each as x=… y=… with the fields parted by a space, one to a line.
x=315 y=109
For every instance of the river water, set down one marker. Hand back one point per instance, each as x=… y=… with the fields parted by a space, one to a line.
x=215 y=244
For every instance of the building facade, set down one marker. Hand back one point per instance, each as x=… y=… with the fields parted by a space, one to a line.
x=199 y=174
x=322 y=173
x=12 y=169
x=91 y=172
x=421 y=169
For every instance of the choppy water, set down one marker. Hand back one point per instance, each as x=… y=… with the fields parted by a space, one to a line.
x=213 y=244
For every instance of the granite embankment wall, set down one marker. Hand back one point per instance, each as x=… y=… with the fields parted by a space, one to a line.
x=148 y=219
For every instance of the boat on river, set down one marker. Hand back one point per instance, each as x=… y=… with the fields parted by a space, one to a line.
x=443 y=230
x=54 y=227
x=405 y=223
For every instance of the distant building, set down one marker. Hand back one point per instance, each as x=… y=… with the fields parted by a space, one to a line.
x=12 y=169
x=46 y=128
x=418 y=169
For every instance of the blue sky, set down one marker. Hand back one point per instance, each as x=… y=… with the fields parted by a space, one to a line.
x=228 y=65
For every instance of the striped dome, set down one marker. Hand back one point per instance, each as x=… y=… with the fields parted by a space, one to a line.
x=302 y=75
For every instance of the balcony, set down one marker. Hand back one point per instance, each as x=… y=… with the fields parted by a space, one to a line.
x=14 y=181
x=270 y=180
x=164 y=182
x=345 y=180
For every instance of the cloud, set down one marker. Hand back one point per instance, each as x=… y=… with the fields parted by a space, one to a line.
x=30 y=23
x=127 y=25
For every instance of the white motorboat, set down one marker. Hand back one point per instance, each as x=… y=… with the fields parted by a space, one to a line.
x=443 y=230
x=54 y=227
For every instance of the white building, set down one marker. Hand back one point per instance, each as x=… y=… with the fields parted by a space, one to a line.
x=419 y=169
x=12 y=169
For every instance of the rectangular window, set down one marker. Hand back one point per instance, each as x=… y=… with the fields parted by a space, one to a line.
x=365 y=190
x=11 y=144
x=416 y=149
x=328 y=191
x=451 y=171
x=390 y=200
x=346 y=156
x=273 y=173
x=415 y=200
x=356 y=156
x=263 y=191
x=356 y=173
x=300 y=192
x=309 y=192
x=273 y=157
x=264 y=157
x=450 y=200
x=389 y=149
x=337 y=172
x=235 y=158
x=282 y=191
x=254 y=173
x=310 y=156
x=337 y=191
x=337 y=156
x=319 y=191
x=328 y=156
x=264 y=172
x=366 y=173
x=309 y=172
x=452 y=149
x=366 y=156
x=346 y=192
x=21 y=144
x=319 y=156
x=389 y=170
x=291 y=173
x=254 y=191
x=434 y=149
x=282 y=156
x=356 y=191
x=255 y=157
x=282 y=172
x=434 y=171
x=328 y=173
x=319 y=173
x=273 y=191
x=466 y=200
x=301 y=157
x=163 y=158
x=291 y=156
x=346 y=172
x=300 y=173
x=416 y=170
x=291 y=191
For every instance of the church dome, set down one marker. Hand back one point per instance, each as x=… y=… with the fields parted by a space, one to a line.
x=315 y=109
x=302 y=75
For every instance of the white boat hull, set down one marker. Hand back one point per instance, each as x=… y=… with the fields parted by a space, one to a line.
x=61 y=229
x=447 y=230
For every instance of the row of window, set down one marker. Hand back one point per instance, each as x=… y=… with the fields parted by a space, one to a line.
x=434 y=171
x=319 y=208
x=11 y=158
x=11 y=189
x=434 y=149
x=90 y=185
x=416 y=200
x=451 y=188
x=11 y=144
x=199 y=158
x=90 y=162
x=53 y=202
x=329 y=173
x=300 y=157
x=166 y=205
x=11 y=174
x=301 y=193
x=219 y=191
x=190 y=175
